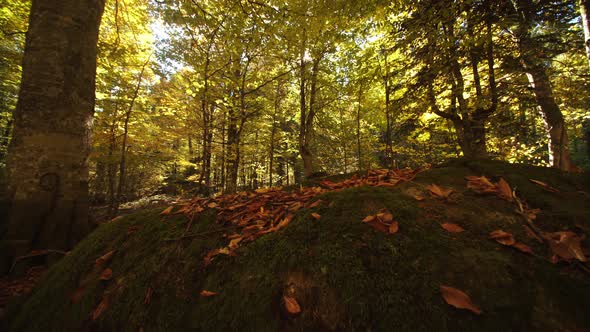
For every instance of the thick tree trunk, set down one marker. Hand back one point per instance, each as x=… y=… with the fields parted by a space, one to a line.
x=534 y=67
x=48 y=155
x=584 y=8
x=559 y=155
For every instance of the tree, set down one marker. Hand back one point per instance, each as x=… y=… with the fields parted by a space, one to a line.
x=529 y=16
x=47 y=160
x=584 y=8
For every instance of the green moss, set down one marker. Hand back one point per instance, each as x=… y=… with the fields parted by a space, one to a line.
x=347 y=275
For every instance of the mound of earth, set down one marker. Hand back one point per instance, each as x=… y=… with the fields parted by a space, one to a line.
x=326 y=269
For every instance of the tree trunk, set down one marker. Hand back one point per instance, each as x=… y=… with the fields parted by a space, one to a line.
x=559 y=156
x=308 y=114
x=584 y=8
x=534 y=67
x=48 y=156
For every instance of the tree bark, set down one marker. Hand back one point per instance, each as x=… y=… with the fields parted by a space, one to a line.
x=48 y=156
x=584 y=8
x=534 y=67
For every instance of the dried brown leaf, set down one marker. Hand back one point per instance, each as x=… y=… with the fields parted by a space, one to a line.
x=458 y=299
x=532 y=234
x=386 y=217
x=394 y=227
x=439 y=191
x=523 y=247
x=316 y=203
x=504 y=190
x=452 y=228
x=102 y=306
x=167 y=211
x=369 y=219
x=148 y=296
x=566 y=245
x=545 y=186
x=75 y=298
x=206 y=293
x=104 y=258
x=107 y=274
x=291 y=306
x=316 y=216
x=502 y=237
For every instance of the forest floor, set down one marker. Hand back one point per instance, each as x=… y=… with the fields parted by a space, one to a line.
x=484 y=246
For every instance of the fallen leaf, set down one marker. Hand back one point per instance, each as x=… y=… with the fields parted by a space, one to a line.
x=545 y=186
x=502 y=237
x=206 y=293
x=102 y=306
x=107 y=274
x=75 y=298
x=439 y=191
x=480 y=184
x=148 y=296
x=233 y=244
x=419 y=198
x=316 y=216
x=316 y=203
x=104 y=258
x=504 y=190
x=523 y=247
x=566 y=245
x=284 y=222
x=167 y=211
x=378 y=225
x=369 y=219
x=452 y=228
x=532 y=234
x=458 y=299
x=291 y=305
x=394 y=227
x=212 y=205
x=386 y=217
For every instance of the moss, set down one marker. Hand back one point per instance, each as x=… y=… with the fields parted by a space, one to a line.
x=347 y=276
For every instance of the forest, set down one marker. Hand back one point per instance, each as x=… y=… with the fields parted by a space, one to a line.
x=110 y=108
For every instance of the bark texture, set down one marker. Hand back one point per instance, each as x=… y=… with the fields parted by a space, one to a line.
x=47 y=161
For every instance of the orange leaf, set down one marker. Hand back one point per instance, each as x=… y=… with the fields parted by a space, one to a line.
x=212 y=205
x=206 y=293
x=316 y=216
x=102 y=306
x=316 y=203
x=369 y=219
x=545 y=186
x=284 y=222
x=386 y=217
x=503 y=237
x=148 y=296
x=394 y=227
x=523 y=247
x=504 y=190
x=233 y=244
x=107 y=274
x=291 y=305
x=419 y=198
x=566 y=245
x=532 y=234
x=104 y=258
x=167 y=211
x=439 y=191
x=452 y=228
x=75 y=298
x=458 y=299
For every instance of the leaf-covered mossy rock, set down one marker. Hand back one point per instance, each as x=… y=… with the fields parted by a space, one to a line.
x=344 y=274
